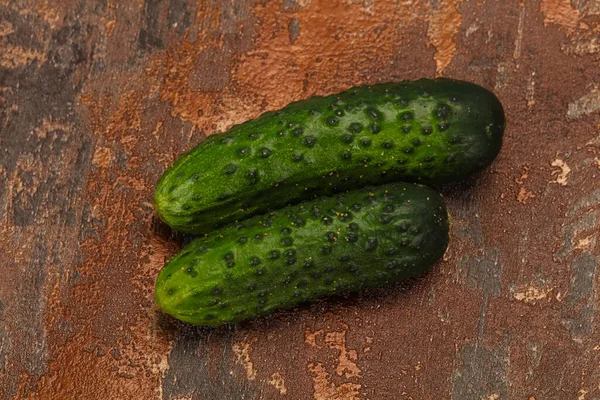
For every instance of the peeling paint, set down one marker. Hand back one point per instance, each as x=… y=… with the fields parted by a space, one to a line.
x=13 y=56
x=561 y=173
x=560 y=12
x=347 y=357
x=241 y=352
x=326 y=389
x=585 y=105
x=444 y=23
x=278 y=383
x=531 y=294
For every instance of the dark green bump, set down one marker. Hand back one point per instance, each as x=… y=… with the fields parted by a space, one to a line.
x=195 y=197
x=408 y=150
x=403 y=226
x=353 y=268
x=344 y=259
x=347 y=138
x=186 y=207
x=316 y=211
x=291 y=124
x=328 y=269
x=242 y=240
x=239 y=312
x=356 y=207
x=296 y=293
x=213 y=302
x=209 y=317
x=301 y=283
x=385 y=219
x=442 y=111
x=454 y=140
x=349 y=107
x=230 y=264
x=262 y=301
x=316 y=274
x=443 y=126
x=372 y=244
x=353 y=227
x=254 y=135
x=287 y=241
x=281 y=133
x=366 y=159
x=326 y=250
x=331 y=236
x=373 y=113
x=375 y=128
x=258 y=237
x=274 y=254
x=417 y=142
x=391 y=251
x=217 y=290
x=310 y=141
x=291 y=260
x=259 y=271
x=387 y=144
x=427 y=130
x=264 y=152
x=339 y=112
x=244 y=152
x=388 y=208
x=308 y=263
x=196 y=176
x=327 y=220
x=171 y=291
x=428 y=159
x=351 y=237
x=287 y=280
x=407 y=129
x=286 y=231
x=414 y=230
x=298 y=132
x=252 y=176
x=297 y=157
x=390 y=266
x=261 y=293
x=404 y=242
x=333 y=121
x=406 y=116
x=345 y=217
x=191 y=271
x=224 y=196
x=172 y=188
x=365 y=142
x=355 y=127
x=254 y=260
x=346 y=155
x=327 y=281
x=290 y=253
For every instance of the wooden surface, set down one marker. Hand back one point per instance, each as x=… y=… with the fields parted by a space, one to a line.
x=97 y=97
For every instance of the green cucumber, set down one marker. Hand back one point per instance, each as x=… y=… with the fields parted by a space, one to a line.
x=426 y=131
x=363 y=238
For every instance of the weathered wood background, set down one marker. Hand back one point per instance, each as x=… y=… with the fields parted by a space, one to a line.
x=97 y=97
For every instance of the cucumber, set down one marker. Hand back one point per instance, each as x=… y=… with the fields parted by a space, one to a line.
x=363 y=238
x=426 y=131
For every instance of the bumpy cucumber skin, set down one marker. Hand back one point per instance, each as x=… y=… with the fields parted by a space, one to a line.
x=363 y=238
x=425 y=131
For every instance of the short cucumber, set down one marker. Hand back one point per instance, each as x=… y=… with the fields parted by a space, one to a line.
x=363 y=238
x=426 y=131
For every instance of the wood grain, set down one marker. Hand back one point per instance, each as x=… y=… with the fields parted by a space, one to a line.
x=97 y=97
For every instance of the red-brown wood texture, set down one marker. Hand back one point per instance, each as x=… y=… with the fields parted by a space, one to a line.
x=98 y=97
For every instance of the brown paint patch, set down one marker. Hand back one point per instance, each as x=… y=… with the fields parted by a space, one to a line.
x=444 y=23
x=325 y=389
x=241 y=351
x=524 y=195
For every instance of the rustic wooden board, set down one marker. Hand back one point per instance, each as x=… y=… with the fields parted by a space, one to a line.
x=98 y=97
